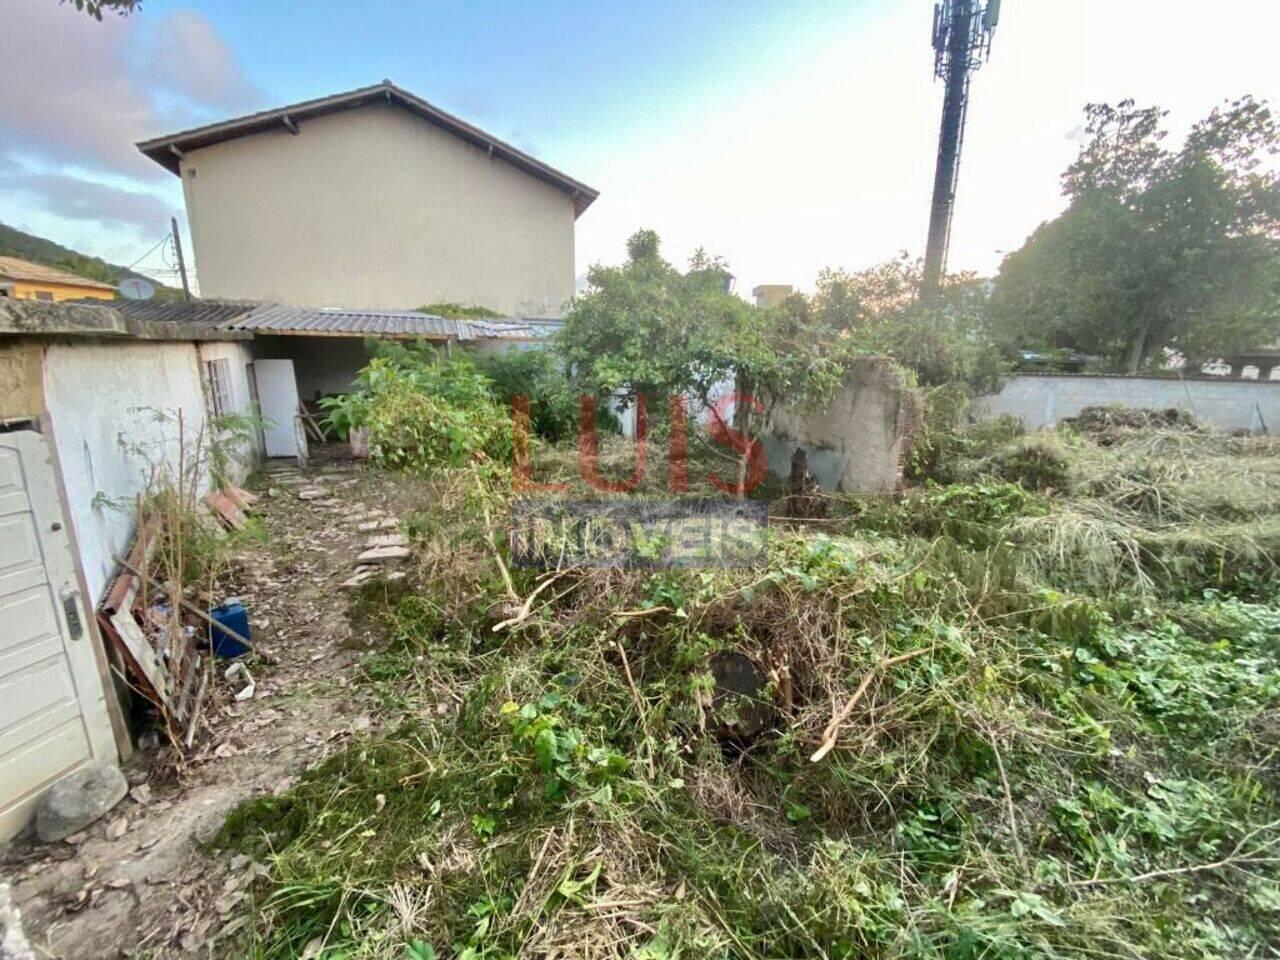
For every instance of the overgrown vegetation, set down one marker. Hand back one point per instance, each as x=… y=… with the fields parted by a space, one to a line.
x=422 y=409
x=1003 y=720
x=458 y=311
x=539 y=375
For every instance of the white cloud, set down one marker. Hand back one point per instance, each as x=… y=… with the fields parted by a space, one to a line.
x=185 y=55
x=72 y=198
x=78 y=94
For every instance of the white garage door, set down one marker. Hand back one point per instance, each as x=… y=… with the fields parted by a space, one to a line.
x=52 y=711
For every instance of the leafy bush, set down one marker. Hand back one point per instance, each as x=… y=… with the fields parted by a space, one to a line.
x=539 y=375
x=943 y=339
x=458 y=311
x=424 y=410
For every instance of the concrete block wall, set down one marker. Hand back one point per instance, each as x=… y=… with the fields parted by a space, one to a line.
x=1042 y=400
x=859 y=442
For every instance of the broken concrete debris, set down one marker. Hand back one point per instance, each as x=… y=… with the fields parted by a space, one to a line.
x=358 y=578
x=78 y=800
x=386 y=554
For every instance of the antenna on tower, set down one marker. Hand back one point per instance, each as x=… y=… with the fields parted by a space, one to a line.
x=961 y=35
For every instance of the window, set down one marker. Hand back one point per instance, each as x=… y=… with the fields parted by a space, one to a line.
x=43 y=295
x=217 y=381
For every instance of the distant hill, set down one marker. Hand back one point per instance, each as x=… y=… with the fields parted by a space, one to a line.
x=15 y=243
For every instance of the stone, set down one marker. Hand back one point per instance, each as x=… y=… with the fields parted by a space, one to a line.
x=312 y=493
x=369 y=526
x=387 y=540
x=78 y=800
x=383 y=555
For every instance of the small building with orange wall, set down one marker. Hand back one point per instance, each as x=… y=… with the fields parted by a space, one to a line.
x=24 y=280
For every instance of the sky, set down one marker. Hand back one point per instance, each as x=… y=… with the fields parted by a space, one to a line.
x=785 y=137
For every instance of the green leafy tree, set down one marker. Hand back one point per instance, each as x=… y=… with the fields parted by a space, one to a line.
x=1158 y=250
x=944 y=340
x=538 y=375
x=647 y=329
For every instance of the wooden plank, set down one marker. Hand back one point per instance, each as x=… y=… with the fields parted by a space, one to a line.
x=244 y=495
x=140 y=654
x=241 y=498
x=235 y=635
x=139 y=556
x=310 y=425
x=194 y=722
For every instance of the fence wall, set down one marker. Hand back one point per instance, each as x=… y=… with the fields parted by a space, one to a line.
x=1041 y=400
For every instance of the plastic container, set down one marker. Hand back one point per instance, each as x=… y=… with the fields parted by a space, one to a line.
x=233 y=616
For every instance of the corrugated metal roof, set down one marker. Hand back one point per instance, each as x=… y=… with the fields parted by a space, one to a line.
x=515 y=329
x=339 y=322
x=13 y=268
x=202 y=313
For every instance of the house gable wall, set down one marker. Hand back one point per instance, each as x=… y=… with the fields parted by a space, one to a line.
x=375 y=207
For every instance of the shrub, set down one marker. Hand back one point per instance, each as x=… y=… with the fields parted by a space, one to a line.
x=424 y=410
x=458 y=311
x=947 y=449
x=538 y=375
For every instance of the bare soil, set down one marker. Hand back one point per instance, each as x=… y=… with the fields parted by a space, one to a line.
x=145 y=881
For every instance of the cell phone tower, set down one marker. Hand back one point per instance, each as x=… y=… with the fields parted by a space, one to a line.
x=962 y=31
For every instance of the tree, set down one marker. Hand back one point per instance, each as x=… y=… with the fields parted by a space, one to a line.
x=942 y=340
x=645 y=329
x=640 y=329
x=1158 y=250
x=95 y=8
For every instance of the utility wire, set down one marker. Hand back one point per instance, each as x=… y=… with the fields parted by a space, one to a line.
x=149 y=252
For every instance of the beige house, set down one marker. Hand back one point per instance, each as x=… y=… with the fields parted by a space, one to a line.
x=374 y=198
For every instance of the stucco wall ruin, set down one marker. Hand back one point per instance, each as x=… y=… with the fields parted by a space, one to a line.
x=859 y=442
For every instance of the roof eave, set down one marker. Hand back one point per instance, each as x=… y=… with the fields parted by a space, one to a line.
x=169 y=150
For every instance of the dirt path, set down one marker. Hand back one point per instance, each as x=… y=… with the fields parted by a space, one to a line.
x=140 y=884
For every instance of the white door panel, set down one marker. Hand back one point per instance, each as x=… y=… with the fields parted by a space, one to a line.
x=278 y=395
x=52 y=707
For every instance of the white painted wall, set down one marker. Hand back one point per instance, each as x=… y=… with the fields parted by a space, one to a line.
x=376 y=207
x=114 y=408
x=859 y=441
x=238 y=355
x=1041 y=400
